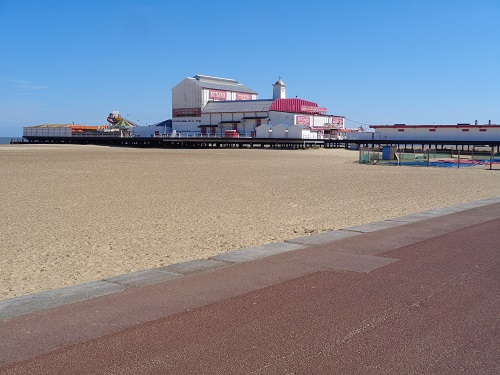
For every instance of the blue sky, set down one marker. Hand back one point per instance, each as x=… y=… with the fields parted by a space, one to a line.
x=375 y=62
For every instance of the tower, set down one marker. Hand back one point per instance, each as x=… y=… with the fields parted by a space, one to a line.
x=279 y=90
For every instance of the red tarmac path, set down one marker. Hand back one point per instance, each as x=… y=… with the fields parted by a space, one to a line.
x=421 y=298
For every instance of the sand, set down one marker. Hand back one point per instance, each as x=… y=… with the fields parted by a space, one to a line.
x=71 y=214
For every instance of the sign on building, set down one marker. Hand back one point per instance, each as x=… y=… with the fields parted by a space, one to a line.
x=312 y=109
x=303 y=120
x=186 y=112
x=337 y=120
x=243 y=96
x=217 y=95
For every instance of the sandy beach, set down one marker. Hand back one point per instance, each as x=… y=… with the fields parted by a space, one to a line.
x=71 y=213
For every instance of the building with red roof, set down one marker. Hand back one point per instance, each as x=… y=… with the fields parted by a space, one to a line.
x=214 y=106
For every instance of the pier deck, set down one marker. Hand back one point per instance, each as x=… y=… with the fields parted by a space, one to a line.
x=247 y=142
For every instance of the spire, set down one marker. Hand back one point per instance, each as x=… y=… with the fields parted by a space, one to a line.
x=279 y=89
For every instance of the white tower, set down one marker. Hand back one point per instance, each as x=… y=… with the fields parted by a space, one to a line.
x=279 y=90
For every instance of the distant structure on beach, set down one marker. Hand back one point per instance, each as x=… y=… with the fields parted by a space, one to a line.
x=401 y=133
x=218 y=106
x=206 y=107
x=212 y=107
x=59 y=130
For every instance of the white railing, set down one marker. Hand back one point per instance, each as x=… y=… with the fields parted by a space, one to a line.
x=100 y=135
x=199 y=135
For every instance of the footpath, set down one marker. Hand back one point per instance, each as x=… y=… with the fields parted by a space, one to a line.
x=418 y=294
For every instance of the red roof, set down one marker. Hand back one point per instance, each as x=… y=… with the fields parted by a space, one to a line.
x=292 y=105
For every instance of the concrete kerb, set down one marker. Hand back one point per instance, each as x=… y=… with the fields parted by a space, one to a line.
x=374 y=227
x=142 y=278
x=23 y=305
x=18 y=306
x=252 y=253
x=321 y=238
x=413 y=218
x=170 y=272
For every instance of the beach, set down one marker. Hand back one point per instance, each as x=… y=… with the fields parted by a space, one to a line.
x=74 y=213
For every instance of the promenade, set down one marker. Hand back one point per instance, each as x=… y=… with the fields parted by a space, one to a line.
x=411 y=295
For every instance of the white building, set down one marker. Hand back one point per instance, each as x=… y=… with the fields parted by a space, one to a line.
x=150 y=131
x=302 y=132
x=279 y=131
x=263 y=131
x=52 y=130
x=242 y=116
x=191 y=95
x=246 y=116
x=286 y=132
x=211 y=106
x=436 y=133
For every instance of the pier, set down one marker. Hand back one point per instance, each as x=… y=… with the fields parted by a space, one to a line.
x=248 y=142
x=184 y=142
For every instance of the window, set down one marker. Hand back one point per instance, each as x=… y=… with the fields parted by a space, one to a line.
x=432 y=130
x=465 y=130
x=482 y=130
x=401 y=130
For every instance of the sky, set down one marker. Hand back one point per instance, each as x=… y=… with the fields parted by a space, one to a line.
x=374 y=62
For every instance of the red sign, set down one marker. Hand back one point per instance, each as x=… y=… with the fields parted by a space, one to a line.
x=217 y=95
x=243 y=96
x=311 y=109
x=303 y=120
x=338 y=120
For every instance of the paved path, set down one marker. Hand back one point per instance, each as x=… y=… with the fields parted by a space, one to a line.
x=413 y=295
